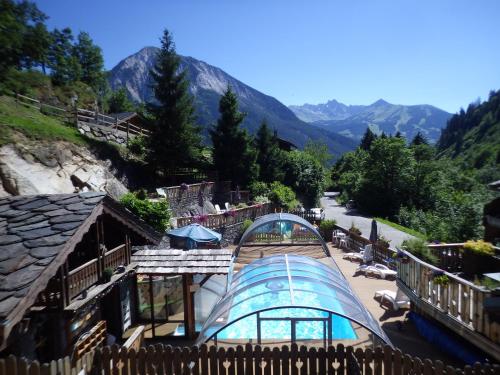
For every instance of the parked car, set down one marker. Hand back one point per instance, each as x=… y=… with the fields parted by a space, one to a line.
x=377 y=269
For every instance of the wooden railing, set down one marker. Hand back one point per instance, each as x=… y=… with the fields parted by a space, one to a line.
x=176 y=192
x=244 y=360
x=228 y=218
x=116 y=257
x=136 y=340
x=88 y=274
x=93 y=339
x=80 y=114
x=82 y=278
x=93 y=117
x=457 y=303
x=267 y=237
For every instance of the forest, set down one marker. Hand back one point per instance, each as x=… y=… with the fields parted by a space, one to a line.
x=438 y=190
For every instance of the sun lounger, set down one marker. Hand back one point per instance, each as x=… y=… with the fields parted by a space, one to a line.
x=397 y=300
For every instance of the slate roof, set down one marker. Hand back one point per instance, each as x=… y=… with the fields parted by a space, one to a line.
x=36 y=235
x=177 y=261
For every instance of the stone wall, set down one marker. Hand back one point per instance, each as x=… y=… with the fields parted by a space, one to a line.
x=102 y=133
x=230 y=234
x=188 y=204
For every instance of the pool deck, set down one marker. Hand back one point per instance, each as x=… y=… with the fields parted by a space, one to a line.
x=398 y=328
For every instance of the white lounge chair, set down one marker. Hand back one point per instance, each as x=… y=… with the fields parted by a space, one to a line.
x=228 y=207
x=354 y=256
x=381 y=271
x=161 y=192
x=398 y=300
x=217 y=208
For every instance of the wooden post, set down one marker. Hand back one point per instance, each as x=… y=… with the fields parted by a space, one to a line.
x=127 y=132
x=63 y=275
x=98 y=249
x=152 y=304
x=189 y=318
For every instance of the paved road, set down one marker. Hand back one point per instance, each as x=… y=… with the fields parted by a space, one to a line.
x=334 y=211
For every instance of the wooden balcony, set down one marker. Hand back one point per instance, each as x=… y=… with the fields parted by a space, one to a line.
x=458 y=304
x=88 y=274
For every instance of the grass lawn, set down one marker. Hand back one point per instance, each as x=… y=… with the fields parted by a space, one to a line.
x=33 y=124
x=402 y=228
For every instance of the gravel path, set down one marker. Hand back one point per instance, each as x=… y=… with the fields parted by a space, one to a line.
x=344 y=218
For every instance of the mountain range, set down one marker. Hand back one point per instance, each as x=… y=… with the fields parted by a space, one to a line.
x=381 y=116
x=207 y=83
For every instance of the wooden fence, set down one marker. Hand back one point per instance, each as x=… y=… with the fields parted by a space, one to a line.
x=188 y=191
x=243 y=360
x=227 y=218
x=84 y=115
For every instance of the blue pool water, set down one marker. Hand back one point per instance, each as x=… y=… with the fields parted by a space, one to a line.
x=246 y=328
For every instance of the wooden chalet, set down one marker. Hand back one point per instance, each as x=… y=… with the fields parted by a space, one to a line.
x=167 y=280
x=66 y=283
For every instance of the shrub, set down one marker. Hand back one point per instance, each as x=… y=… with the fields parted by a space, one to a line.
x=246 y=224
x=354 y=229
x=326 y=228
x=156 y=214
x=282 y=196
x=441 y=280
x=259 y=188
x=479 y=247
x=419 y=248
x=261 y=199
x=137 y=145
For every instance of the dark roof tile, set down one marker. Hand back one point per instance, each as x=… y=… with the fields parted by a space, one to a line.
x=67 y=218
x=37 y=203
x=44 y=252
x=66 y=226
x=45 y=241
x=30 y=218
x=21 y=278
x=9 y=214
x=47 y=207
x=77 y=207
x=38 y=233
x=9 y=239
x=28 y=226
x=59 y=212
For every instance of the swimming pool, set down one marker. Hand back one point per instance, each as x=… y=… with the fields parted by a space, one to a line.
x=246 y=328
x=288 y=298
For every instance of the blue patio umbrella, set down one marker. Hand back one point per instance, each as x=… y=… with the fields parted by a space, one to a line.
x=193 y=234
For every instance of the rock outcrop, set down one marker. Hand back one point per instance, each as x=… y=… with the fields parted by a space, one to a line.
x=56 y=167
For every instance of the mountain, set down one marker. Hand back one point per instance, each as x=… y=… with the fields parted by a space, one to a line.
x=207 y=83
x=473 y=137
x=380 y=116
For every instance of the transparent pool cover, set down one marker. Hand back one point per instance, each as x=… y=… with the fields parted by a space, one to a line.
x=271 y=291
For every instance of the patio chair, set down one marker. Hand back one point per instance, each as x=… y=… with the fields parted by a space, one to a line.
x=228 y=207
x=161 y=192
x=398 y=300
x=337 y=235
x=217 y=208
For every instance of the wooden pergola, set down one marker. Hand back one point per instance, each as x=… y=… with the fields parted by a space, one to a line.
x=185 y=263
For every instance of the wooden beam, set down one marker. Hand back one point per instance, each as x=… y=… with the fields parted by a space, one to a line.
x=152 y=304
x=189 y=317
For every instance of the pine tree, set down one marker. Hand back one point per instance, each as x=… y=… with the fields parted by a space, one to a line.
x=118 y=101
x=367 y=139
x=419 y=139
x=269 y=158
x=63 y=64
x=175 y=142
x=90 y=58
x=233 y=153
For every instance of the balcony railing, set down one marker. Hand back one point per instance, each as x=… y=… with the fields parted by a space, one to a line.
x=88 y=274
x=457 y=303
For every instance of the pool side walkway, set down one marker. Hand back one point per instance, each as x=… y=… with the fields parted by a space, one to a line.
x=400 y=330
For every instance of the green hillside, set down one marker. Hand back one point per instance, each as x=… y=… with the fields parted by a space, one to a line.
x=473 y=137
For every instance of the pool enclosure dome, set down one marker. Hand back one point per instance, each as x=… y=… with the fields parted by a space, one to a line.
x=289 y=297
x=286 y=227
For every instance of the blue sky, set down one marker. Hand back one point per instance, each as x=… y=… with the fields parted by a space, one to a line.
x=440 y=52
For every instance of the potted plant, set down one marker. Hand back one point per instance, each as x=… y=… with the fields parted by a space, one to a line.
x=184 y=186
x=441 y=280
x=401 y=256
x=106 y=275
x=381 y=240
x=355 y=230
x=475 y=260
